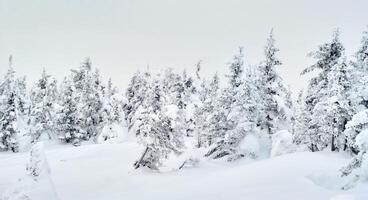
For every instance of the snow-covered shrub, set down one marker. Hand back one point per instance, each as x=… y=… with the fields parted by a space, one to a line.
x=282 y=143
x=357 y=169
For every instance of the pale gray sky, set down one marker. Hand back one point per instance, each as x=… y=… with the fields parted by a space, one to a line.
x=122 y=36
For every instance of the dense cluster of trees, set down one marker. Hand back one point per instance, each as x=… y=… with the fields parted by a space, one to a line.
x=331 y=113
x=170 y=111
x=75 y=110
x=166 y=109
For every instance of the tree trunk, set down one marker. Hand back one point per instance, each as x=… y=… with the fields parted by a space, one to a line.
x=138 y=163
x=333 y=147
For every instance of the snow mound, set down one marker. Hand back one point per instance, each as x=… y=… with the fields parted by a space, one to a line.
x=37 y=183
x=282 y=143
x=112 y=133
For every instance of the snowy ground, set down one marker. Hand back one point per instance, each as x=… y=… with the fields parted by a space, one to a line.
x=104 y=172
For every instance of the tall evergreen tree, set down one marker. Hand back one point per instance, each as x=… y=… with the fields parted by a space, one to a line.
x=9 y=113
x=321 y=104
x=155 y=130
x=69 y=120
x=43 y=102
x=275 y=94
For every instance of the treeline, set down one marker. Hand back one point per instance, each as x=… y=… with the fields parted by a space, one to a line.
x=73 y=111
x=172 y=112
x=165 y=109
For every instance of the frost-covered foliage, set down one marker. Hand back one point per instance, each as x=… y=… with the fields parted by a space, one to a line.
x=10 y=111
x=358 y=94
x=88 y=91
x=276 y=96
x=354 y=127
x=86 y=105
x=68 y=121
x=43 y=102
x=157 y=127
x=326 y=103
x=135 y=95
x=203 y=115
x=358 y=166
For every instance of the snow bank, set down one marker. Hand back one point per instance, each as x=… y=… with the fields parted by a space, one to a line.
x=37 y=183
x=282 y=143
x=112 y=133
x=105 y=172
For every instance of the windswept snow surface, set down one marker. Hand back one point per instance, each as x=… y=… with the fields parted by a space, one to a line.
x=104 y=172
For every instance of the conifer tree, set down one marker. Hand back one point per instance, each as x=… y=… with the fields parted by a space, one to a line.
x=275 y=94
x=43 y=102
x=69 y=121
x=321 y=104
x=9 y=113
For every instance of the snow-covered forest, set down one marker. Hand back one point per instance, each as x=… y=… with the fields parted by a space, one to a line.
x=182 y=122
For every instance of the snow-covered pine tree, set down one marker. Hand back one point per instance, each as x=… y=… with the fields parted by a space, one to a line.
x=68 y=117
x=9 y=113
x=135 y=95
x=318 y=97
x=113 y=104
x=219 y=120
x=359 y=91
x=42 y=112
x=112 y=113
x=155 y=129
x=22 y=97
x=358 y=94
x=92 y=106
x=340 y=105
x=275 y=94
x=190 y=100
x=301 y=121
x=358 y=166
x=88 y=89
x=208 y=97
x=246 y=113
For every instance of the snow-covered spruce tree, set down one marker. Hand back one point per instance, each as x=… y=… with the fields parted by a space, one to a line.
x=301 y=121
x=358 y=94
x=218 y=120
x=208 y=95
x=42 y=112
x=135 y=95
x=155 y=129
x=22 y=100
x=325 y=98
x=89 y=97
x=9 y=113
x=354 y=127
x=277 y=102
x=358 y=166
x=246 y=113
x=112 y=113
x=359 y=91
x=190 y=99
x=68 y=117
x=92 y=108
x=113 y=105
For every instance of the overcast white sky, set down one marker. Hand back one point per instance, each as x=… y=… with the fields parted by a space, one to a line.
x=122 y=36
